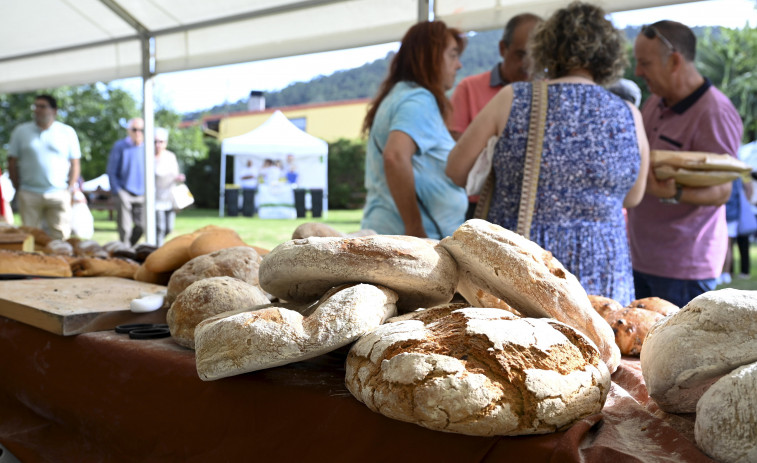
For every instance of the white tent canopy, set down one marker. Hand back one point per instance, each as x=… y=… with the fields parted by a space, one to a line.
x=48 y=43
x=276 y=139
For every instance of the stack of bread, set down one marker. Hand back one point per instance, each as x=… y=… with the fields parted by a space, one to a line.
x=697 y=169
x=535 y=372
x=703 y=359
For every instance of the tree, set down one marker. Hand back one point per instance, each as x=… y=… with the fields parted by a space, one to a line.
x=729 y=61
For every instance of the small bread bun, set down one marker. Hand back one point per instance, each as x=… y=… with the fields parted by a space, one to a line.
x=172 y=255
x=213 y=240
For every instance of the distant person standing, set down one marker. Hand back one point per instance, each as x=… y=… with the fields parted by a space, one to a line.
x=43 y=165
x=166 y=176
x=473 y=92
x=126 y=172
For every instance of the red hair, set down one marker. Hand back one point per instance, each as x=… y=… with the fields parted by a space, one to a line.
x=419 y=60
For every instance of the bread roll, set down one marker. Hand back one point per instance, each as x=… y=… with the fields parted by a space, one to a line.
x=208 y=297
x=726 y=423
x=685 y=353
x=655 y=304
x=529 y=279
x=213 y=240
x=423 y=275
x=478 y=371
x=231 y=344
x=142 y=274
x=631 y=327
x=30 y=263
x=107 y=267
x=240 y=262
x=604 y=305
x=172 y=255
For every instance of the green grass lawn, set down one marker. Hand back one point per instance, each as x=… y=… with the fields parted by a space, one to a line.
x=266 y=233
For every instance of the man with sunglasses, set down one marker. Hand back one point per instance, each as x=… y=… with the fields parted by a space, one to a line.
x=678 y=234
x=126 y=172
x=43 y=165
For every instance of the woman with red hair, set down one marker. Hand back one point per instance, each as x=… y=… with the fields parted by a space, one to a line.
x=408 y=141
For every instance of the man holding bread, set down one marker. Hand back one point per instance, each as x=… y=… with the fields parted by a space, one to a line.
x=678 y=234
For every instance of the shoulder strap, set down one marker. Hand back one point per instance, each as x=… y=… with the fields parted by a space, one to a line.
x=532 y=165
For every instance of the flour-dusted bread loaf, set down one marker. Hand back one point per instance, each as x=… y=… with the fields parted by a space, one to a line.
x=422 y=274
x=529 y=279
x=726 y=423
x=478 y=297
x=206 y=298
x=478 y=371
x=240 y=262
x=232 y=344
x=310 y=229
x=685 y=353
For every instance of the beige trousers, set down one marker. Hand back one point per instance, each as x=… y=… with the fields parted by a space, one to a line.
x=49 y=211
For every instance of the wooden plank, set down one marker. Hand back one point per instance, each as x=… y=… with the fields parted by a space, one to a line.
x=69 y=306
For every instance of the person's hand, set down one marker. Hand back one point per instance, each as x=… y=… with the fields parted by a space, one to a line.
x=660 y=188
x=180 y=178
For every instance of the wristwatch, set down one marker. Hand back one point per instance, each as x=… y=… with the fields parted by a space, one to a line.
x=676 y=199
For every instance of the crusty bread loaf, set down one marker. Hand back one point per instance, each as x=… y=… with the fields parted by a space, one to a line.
x=478 y=371
x=631 y=326
x=529 y=279
x=213 y=240
x=478 y=297
x=172 y=255
x=231 y=344
x=59 y=248
x=142 y=274
x=422 y=274
x=104 y=267
x=726 y=423
x=309 y=229
x=604 y=305
x=685 y=353
x=208 y=297
x=30 y=263
x=240 y=262
x=655 y=304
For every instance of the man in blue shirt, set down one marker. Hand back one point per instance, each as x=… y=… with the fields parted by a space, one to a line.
x=126 y=172
x=43 y=165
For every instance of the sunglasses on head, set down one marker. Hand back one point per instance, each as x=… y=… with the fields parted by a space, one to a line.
x=651 y=32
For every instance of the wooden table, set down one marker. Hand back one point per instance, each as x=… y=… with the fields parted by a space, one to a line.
x=103 y=397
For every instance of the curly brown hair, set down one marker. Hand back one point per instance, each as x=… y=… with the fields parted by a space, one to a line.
x=578 y=37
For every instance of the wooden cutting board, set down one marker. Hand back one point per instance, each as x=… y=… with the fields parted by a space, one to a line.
x=70 y=306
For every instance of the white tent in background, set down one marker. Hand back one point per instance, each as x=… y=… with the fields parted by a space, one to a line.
x=276 y=139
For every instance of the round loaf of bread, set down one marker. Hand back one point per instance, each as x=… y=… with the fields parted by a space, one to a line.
x=422 y=274
x=240 y=262
x=232 y=344
x=528 y=278
x=310 y=229
x=208 y=297
x=655 y=304
x=631 y=326
x=685 y=353
x=604 y=305
x=478 y=371
x=726 y=423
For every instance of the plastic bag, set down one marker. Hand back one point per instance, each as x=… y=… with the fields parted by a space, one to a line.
x=181 y=197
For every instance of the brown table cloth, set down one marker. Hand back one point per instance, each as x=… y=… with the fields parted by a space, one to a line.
x=105 y=397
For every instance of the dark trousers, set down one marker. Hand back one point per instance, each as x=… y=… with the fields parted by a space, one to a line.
x=679 y=292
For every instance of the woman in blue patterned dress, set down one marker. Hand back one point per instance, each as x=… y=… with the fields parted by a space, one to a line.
x=595 y=155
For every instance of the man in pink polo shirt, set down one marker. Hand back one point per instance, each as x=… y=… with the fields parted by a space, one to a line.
x=473 y=92
x=678 y=234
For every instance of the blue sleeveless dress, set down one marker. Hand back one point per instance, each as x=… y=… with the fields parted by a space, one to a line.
x=589 y=163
